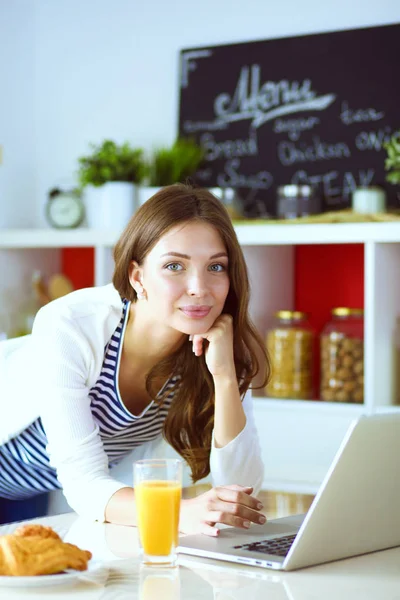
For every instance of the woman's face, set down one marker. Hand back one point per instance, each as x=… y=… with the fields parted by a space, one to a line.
x=185 y=277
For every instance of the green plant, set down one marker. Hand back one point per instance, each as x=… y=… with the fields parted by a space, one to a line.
x=112 y=162
x=392 y=162
x=175 y=164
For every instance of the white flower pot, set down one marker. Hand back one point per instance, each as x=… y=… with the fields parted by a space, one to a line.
x=146 y=192
x=110 y=206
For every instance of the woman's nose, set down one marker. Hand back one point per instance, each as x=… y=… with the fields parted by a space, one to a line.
x=197 y=285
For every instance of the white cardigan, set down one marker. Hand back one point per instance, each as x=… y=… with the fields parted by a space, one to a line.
x=50 y=374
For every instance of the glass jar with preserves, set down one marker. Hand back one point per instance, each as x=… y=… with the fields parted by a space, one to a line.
x=295 y=201
x=342 y=356
x=290 y=346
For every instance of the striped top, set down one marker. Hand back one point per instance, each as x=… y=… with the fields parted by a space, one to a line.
x=25 y=468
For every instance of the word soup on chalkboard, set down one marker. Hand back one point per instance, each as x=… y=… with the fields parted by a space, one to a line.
x=312 y=109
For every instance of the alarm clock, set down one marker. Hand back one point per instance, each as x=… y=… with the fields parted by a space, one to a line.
x=64 y=209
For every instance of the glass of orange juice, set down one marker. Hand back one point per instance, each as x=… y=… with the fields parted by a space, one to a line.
x=158 y=489
x=159 y=583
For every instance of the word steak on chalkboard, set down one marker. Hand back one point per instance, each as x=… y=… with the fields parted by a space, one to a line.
x=311 y=109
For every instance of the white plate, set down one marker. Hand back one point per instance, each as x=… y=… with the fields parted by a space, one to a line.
x=68 y=577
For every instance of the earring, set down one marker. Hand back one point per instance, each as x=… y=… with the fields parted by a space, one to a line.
x=141 y=294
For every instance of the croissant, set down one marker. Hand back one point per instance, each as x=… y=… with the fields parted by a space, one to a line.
x=30 y=552
x=36 y=530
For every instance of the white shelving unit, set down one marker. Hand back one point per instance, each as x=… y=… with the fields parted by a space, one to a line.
x=298 y=439
x=249 y=234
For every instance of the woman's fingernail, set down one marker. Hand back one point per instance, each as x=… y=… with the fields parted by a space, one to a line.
x=262 y=519
x=260 y=506
x=246 y=524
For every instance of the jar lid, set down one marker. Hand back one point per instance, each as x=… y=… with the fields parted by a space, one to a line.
x=293 y=190
x=290 y=314
x=343 y=311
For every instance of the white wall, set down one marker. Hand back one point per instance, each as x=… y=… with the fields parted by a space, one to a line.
x=111 y=69
x=18 y=199
x=17 y=113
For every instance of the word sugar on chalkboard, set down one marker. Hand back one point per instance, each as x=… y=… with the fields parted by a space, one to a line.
x=310 y=109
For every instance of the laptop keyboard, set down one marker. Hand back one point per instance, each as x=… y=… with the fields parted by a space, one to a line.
x=278 y=546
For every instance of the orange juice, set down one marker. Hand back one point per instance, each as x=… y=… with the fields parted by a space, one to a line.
x=157 y=504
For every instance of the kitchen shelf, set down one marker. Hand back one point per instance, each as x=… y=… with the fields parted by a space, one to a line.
x=268 y=404
x=248 y=234
x=54 y=238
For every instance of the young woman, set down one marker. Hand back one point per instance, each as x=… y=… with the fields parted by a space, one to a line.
x=167 y=350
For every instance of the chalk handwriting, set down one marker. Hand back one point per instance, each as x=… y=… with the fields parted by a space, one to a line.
x=233 y=178
x=189 y=64
x=359 y=115
x=335 y=184
x=373 y=140
x=267 y=101
x=290 y=153
x=294 y=127
x=229 y=148
x=193 y=126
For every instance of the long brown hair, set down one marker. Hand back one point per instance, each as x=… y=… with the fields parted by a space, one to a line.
x=190 y=421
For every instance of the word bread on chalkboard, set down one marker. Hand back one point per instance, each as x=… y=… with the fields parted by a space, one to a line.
x=314 y=109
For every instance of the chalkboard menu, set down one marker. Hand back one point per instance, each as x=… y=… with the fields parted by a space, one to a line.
x=309 y=109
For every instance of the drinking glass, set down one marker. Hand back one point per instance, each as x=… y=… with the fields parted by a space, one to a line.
x=159 y=583
x=158 y=489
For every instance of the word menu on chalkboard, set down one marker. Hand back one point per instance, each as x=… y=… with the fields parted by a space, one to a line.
x=311 y=109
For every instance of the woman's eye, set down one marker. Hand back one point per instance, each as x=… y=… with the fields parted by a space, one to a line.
x=217 y=268
x=174 y=267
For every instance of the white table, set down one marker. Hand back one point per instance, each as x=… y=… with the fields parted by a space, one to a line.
x=373 y=576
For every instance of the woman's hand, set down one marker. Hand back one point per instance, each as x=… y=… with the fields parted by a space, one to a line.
x=231 y=505
x=219 y=350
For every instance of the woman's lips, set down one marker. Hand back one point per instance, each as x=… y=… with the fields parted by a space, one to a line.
x=195 y=312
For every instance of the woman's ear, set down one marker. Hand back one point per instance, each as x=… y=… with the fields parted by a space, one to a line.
x=136 y=276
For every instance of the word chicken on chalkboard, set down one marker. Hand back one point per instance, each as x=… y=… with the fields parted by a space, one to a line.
x=313 y=109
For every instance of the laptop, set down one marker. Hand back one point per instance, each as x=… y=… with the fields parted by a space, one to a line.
x=356 y=510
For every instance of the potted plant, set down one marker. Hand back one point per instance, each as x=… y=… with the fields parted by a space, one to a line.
x=169 y=165
x=392 y=162
x=109 y=177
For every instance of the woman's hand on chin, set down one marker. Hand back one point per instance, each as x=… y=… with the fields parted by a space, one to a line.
x=219 y=349
x=231 y=505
